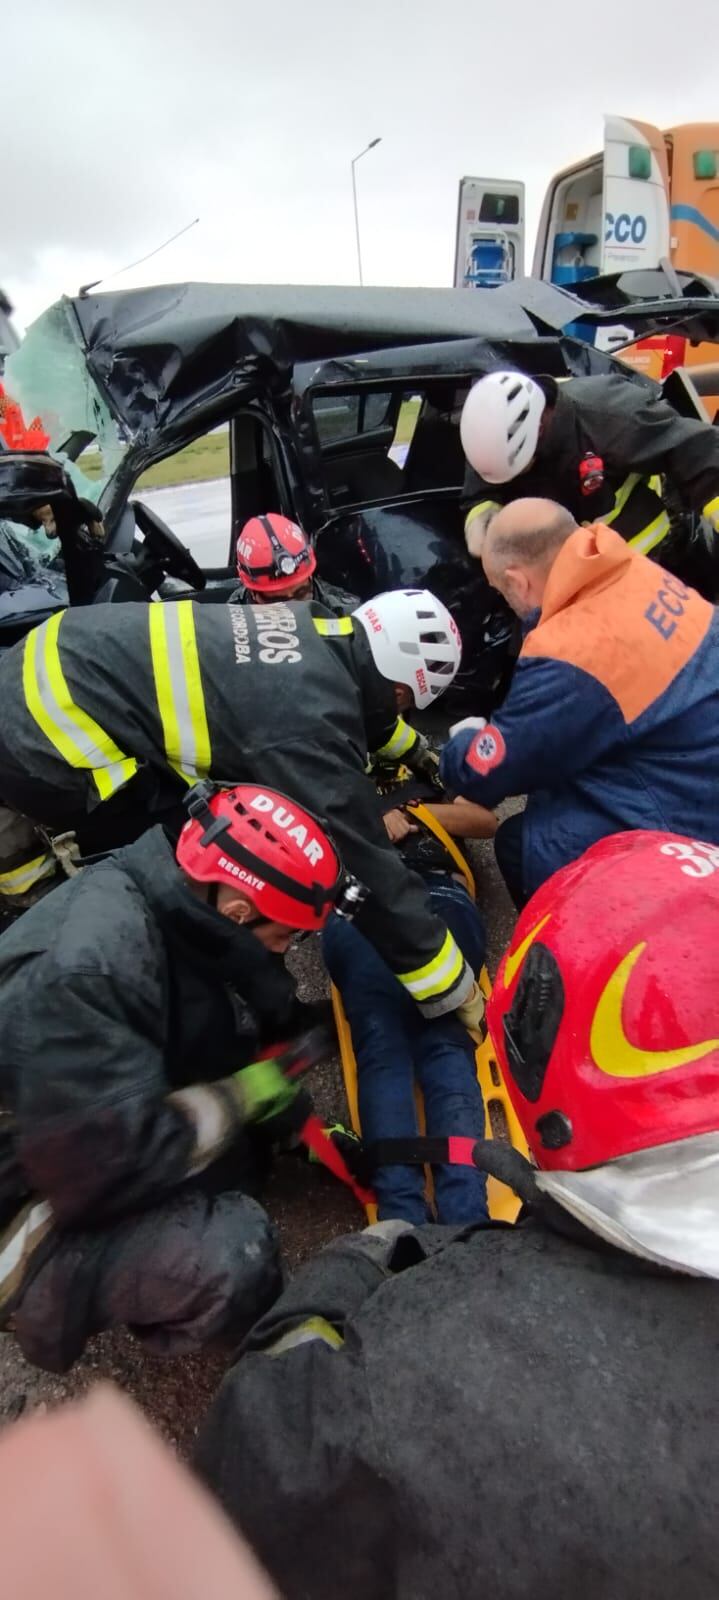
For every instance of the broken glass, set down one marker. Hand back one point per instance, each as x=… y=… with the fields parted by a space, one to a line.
x=48 y=376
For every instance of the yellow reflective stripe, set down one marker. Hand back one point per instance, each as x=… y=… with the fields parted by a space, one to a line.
x=178 y=689
x=80 y=740
x=400 y=741
x=163 y=685
x=711 y=510
x=651 y=536
x=482 y=508
x=333 y=627
x=655 y=531
x=195 y=697
x=621 y=497
x=26 y=876
x=438 y=975
x=313 y=1331
x=108 y=780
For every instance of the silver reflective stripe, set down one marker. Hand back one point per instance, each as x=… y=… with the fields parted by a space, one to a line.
x=17 y=1245
x=439 y=975
x=93 y=755
x=25 y=877
x=209 y=1111
x=402 y=739
x=333 y=627
x=178 y=687
x=178 y=677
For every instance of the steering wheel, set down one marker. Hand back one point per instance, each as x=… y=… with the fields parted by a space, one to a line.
x=165 y=545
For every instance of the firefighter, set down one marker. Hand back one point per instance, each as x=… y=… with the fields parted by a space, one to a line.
x=108 y=710
x=612 y=717
x=529 y=1409
x=609 y=450
x=133 y=1004
x=275 y=561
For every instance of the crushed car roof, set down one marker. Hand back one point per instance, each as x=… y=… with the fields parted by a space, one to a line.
x=156 y=351
x=159 y=350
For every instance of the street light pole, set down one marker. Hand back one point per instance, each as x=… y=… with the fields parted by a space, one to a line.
x=362 y=153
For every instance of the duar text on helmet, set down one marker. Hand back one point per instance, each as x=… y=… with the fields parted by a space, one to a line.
x=309 y=845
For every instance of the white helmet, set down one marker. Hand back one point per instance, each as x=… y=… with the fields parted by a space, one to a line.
x=499 y=426
x=414 y=641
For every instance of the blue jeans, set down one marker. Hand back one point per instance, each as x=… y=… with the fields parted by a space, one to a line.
x=394 y=1046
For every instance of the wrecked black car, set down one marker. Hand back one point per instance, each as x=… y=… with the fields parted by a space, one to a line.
x=338 y=407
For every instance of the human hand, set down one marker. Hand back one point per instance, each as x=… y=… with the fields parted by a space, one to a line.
x=472 y=821
x=119 y=1517
x=398 y=826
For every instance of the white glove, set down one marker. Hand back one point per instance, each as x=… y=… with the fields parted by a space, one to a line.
x=476 y=723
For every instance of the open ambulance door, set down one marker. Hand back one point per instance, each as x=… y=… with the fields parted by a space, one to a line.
x=609 y=213
x=489 y=247
x=636 y=201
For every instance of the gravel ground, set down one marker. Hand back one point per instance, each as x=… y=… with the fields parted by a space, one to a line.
x=309 y=1207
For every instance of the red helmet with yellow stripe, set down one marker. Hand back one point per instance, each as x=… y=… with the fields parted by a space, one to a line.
x=604 y=1015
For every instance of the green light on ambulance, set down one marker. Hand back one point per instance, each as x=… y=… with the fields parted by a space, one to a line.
x=640 y=161
x=705 y=163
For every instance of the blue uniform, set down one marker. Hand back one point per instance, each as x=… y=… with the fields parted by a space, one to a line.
x=612 y=718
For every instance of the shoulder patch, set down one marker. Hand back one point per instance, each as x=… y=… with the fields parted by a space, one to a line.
x=488 y=750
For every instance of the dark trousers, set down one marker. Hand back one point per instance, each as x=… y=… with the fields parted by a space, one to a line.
x=196 y=1271
x=395 y=1047
x=508 y=853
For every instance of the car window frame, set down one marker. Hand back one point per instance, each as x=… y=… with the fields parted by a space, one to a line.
x=399 y=387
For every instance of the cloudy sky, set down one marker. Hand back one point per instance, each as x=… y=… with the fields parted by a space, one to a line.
x=123 y=121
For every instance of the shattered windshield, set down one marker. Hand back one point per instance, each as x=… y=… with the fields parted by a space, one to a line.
x=48 y=378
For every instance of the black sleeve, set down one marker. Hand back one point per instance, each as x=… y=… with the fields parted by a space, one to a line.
x=337 y=600
x=288 y=1449
x=289 y=1443
x=98 y=1129
x=635 y=432
x=332 y=1286
x=396 y=916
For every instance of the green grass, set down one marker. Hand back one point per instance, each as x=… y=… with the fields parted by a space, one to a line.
x=209 y=457
x=90 y=464
x=203 y=459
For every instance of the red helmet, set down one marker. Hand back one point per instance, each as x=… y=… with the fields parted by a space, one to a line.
x=604 y=1014
x=274 y=555
x=261 y=843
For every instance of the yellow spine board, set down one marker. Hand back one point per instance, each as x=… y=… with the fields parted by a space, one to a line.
x=503 y=1203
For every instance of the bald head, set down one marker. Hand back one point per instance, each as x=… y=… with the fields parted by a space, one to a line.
x=520 y=547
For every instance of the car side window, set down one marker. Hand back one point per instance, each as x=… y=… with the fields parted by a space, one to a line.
x=191 y=491
x=377 y=444
x=347 y=416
